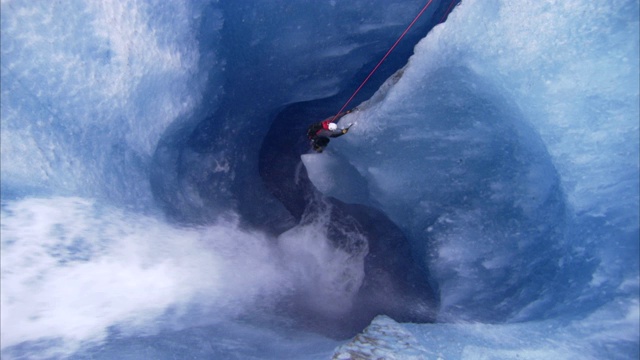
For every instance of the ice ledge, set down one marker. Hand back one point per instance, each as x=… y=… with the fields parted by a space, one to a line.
x=382 y=339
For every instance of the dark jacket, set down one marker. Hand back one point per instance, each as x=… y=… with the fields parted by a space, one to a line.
x=321 y=129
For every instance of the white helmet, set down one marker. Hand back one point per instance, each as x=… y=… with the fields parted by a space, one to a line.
x=332 y=126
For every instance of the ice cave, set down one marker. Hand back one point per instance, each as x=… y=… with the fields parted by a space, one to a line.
x=160 y=199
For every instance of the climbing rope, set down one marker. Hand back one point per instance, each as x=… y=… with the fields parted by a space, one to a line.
x=382 y=60
x=447 y=12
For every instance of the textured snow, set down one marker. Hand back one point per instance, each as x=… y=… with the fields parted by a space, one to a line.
x=383 y=339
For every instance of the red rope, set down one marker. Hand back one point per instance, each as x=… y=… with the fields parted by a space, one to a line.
x=447 y=12
x=383 y=59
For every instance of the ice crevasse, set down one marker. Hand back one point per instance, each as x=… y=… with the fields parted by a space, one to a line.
x=139 y=219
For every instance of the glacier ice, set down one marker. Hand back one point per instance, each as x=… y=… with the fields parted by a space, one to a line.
x=516 y=123
x=150 y=149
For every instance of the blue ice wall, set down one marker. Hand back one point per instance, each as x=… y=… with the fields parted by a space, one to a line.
x=89 y=89
x=506 y=150
x=456 y=166
x=512 y=160
x=518 y=127
x=119 y=118
x=215 y=168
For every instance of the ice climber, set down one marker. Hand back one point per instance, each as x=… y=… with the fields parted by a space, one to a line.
x=320 y=132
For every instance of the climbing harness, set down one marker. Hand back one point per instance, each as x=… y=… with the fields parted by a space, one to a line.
x=387 y=54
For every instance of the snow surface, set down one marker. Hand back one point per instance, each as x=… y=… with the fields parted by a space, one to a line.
x=135 y=222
